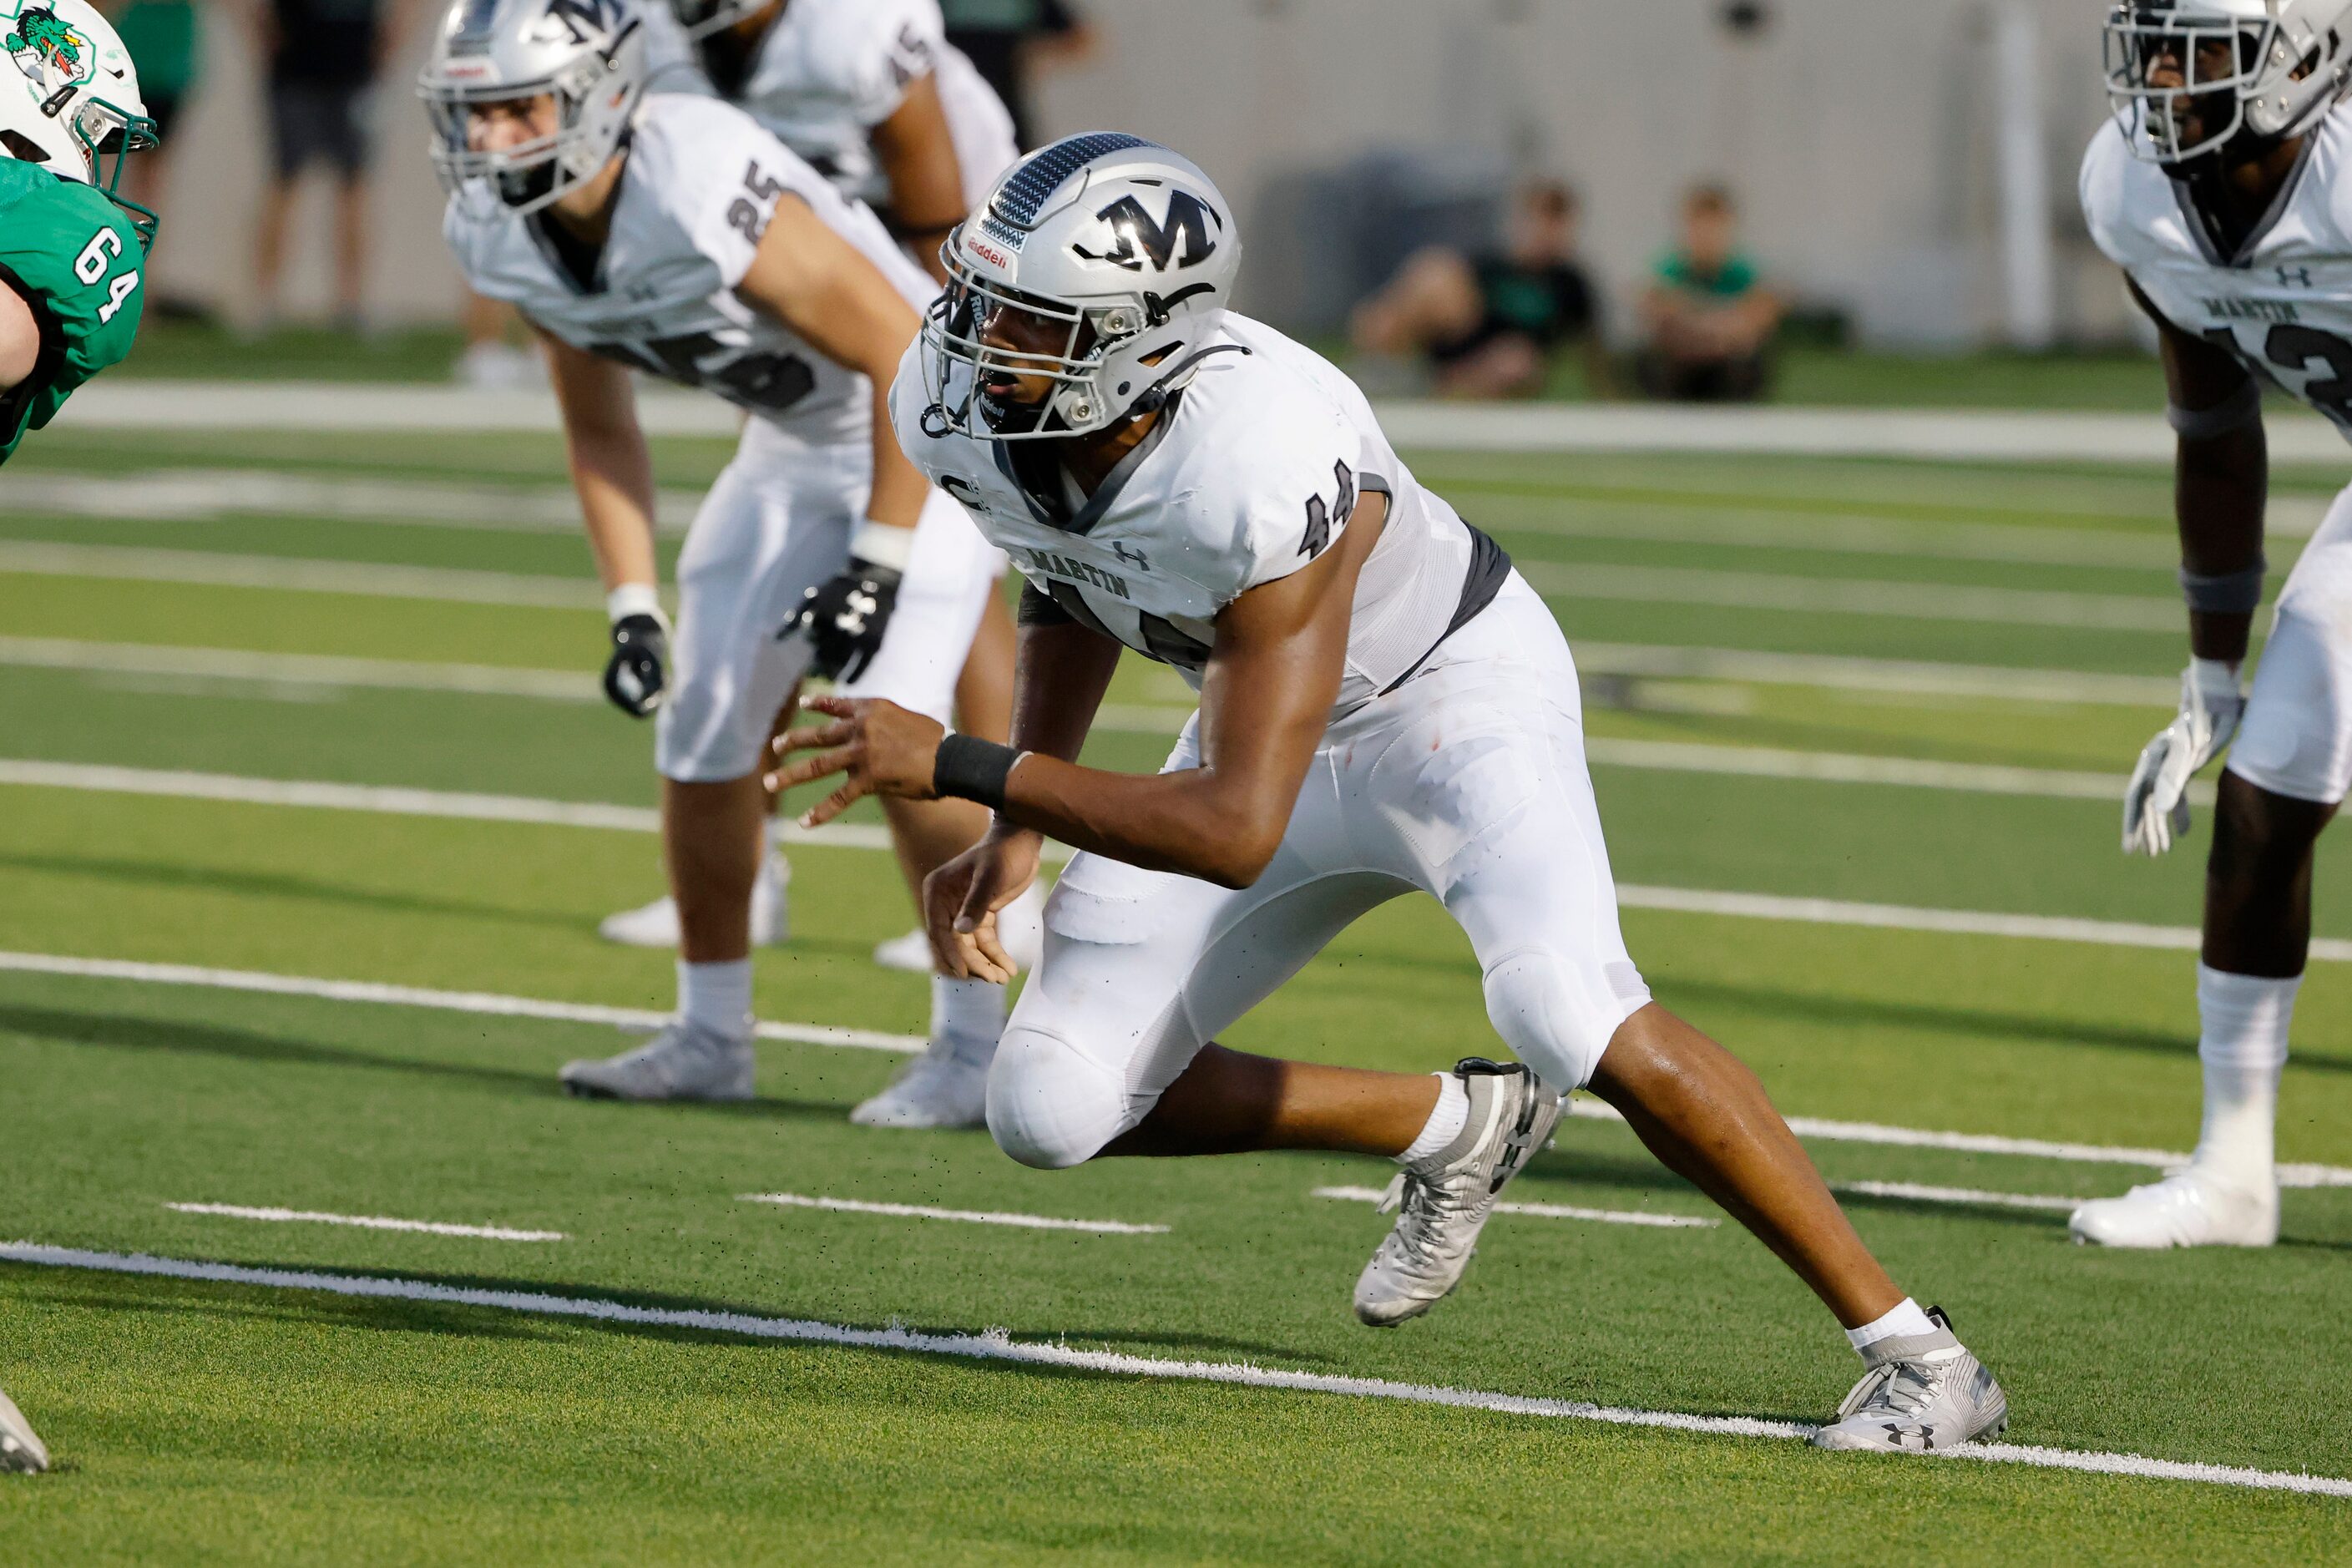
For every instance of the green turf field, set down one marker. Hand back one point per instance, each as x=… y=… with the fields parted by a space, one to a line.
x=1957 y=656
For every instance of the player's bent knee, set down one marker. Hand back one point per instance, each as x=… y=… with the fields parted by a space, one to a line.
x=1051 y=1106
x=1558 y=1014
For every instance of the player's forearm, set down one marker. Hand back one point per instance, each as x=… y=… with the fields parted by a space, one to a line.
x=2220 y=485
x=899 y=489
x=1195 y=822
x=1060 y=673
x=614 y=480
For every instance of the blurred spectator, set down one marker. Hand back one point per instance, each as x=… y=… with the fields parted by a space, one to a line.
x=1008 y=40
x=1489 y=324
x=162 y=37
x=323 y=56
x=1709 y=316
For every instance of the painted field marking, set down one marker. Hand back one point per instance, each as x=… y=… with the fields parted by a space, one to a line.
x=1915 y=1192
x=1847 y=596
x=1833 y=1131
x=1583 y=1106
x=368 y=1222
x=967 y=1216
x=1547 y=1211
x=1903 y=676
x=213 y=569
x=997 y=1345
x=483 y=1003
x=196 y=495
x=1834 y=767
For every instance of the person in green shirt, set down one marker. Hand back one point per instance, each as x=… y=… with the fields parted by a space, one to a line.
x=1708 y=315
x=73 y=250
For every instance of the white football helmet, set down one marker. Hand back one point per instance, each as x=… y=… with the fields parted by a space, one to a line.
x=70 y=97
x=589 y=55
x=1128 y=245
x=2280 y=65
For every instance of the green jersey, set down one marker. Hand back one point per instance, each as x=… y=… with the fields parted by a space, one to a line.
x=72 y=256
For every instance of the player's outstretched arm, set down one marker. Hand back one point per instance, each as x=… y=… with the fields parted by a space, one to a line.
x=612 y=472
x=1267 y=699
x=918 y=158
x=2222 y=478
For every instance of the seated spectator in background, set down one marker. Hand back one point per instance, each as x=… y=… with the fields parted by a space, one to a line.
x=1489 y=324
x=1008 y=41
x=1709 y=317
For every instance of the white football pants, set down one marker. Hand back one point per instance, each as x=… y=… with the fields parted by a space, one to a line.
x=776 y=523
x=2296 y=738
x=1467 y=783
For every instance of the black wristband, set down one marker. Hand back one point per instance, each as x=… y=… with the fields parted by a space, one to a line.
x=969 y=768
x=2225 y=592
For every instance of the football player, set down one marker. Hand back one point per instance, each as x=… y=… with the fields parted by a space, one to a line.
x=72 y=254
x=2221 y=189
x=873 y=97
x=670 y=232
x=72 y=248
x=1386 y=707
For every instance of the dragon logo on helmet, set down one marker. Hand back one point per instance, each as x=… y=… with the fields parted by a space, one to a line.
x=54 y=56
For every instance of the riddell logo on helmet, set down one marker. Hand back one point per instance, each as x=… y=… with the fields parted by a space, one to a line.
x=990 y=254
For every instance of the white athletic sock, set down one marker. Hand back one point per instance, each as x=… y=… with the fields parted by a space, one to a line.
x=1907 y=1316
x=1445 y=1122
x=969 y=1015
x=717 y=996
x=2242 y=1040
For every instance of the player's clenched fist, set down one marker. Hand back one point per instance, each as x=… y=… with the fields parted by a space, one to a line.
x=878 y=746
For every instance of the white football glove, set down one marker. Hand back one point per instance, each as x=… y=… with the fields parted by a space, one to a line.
x=2156 y=802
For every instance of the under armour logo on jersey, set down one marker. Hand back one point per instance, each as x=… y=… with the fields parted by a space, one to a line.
x=1135 y=558
x=2294 y=276
x=1137 y=237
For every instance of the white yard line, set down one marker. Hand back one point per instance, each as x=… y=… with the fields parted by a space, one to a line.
x=218 y=569
x=1854 y=597
x=1915 y=1192
x=1665 y=662
x=197 y=495
x=1927 y=434
x=491 y=1005
x=1833 y=767
x=1906 y=676
x=967 y=1216
x=998 y=1346
x=1831 y=1131
x=1549 y=1211
x=376 y=993
x=369 y=1222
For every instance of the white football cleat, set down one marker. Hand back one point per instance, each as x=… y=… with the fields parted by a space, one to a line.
x=2188 y=1208
x=682 y=1062
x=1020 y=925
x=656 y=925
x=1923 y=1393
x=21 y=1449
x=1447 y=1197
x=938 y=1089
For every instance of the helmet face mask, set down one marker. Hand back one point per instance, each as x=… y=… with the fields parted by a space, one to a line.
x=2191 y=78
x=516 y=60
x=1079 y=294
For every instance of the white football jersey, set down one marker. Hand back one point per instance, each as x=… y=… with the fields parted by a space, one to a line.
x=2283 y=303
x=828 y=71
x=1253 y=471
x=701 y=182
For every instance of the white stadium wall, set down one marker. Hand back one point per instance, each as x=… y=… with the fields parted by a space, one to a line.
x=1862 y=136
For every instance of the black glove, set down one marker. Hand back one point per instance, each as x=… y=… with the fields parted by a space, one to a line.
x=844 y=619
x=636 y=674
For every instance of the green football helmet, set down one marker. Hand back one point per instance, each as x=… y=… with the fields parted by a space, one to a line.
x=69 y=98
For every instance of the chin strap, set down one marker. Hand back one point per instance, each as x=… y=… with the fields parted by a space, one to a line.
x=1155 y=396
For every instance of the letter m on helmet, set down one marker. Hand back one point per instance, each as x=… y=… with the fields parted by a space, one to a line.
x=1137 y=237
